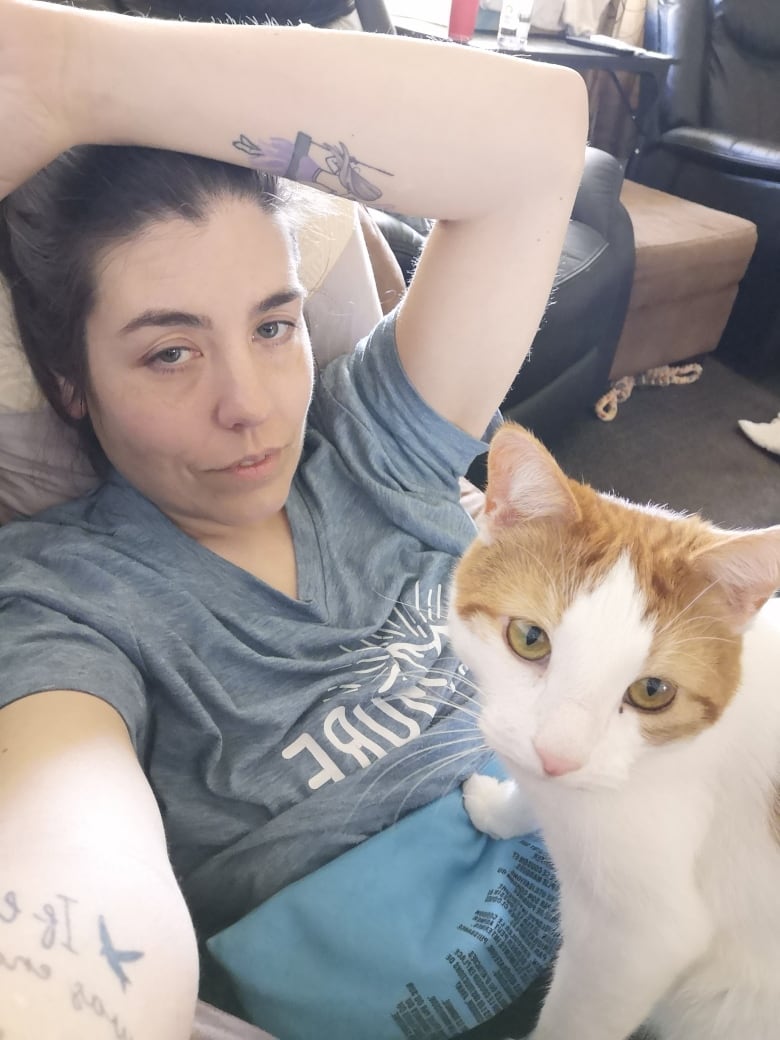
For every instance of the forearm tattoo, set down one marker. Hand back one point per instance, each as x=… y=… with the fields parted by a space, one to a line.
x=330 y=167
x=64 y=927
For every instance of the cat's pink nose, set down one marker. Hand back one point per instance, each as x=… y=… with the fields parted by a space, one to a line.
x=556 y=765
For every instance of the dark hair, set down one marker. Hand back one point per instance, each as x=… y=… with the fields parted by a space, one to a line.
x=54 y=226
x=314 y=12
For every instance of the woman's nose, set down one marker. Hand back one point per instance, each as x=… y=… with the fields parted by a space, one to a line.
x=242 y=395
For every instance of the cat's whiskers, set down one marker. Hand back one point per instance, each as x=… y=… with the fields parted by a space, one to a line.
x=525 y=550
x=567 y=573
x=665 y=628
x=470 y=716
x=423 y=696
x=416 y=608
x=463 y=681
x=426 y=748
x=383 y=770
x=466 y=754
x=470 y=713
x=463 y=678
x=679 y=640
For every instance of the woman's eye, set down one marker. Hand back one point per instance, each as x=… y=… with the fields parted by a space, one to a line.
x=276 y=330
x=170 y=357
x=650 y=694
x=528 y=640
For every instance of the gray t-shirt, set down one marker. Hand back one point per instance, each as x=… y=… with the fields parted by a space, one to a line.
x=276 y=733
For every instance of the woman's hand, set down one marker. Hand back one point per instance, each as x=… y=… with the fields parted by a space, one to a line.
x=35 y=58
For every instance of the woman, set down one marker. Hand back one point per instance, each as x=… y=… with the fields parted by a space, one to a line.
x=192 y=688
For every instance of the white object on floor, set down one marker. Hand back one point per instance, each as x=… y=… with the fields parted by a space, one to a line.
x=764 y=434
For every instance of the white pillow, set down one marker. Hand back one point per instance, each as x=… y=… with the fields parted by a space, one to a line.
x=40 y=460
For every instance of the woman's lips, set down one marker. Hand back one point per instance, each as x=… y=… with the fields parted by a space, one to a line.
x=252 y=467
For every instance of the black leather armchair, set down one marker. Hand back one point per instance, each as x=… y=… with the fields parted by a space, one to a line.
x=718 y=143
x=572 y=353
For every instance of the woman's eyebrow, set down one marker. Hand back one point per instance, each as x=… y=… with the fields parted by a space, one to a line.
x=163 y=318
x=279 y=299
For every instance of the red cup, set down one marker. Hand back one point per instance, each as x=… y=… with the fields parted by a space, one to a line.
x=463 y=18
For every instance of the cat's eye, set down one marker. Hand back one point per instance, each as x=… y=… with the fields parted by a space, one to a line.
x=528 y=640
x=651 y=694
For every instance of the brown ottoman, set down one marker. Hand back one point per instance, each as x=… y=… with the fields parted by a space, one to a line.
x=689 y=262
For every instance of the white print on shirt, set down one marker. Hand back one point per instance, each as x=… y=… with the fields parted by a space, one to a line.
x=354 y=742
x=411 y=642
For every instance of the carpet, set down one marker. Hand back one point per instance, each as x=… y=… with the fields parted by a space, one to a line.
x=680 y=446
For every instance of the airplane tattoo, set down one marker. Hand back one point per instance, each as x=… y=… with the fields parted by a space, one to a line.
x=116 y=958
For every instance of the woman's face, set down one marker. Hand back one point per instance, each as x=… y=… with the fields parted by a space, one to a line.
x=200 y=366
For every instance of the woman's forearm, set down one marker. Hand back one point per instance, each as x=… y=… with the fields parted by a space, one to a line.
x=96 y=940
x=404 y=124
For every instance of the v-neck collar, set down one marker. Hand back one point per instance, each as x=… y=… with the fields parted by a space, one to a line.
x=218 y=570
x=308 y=549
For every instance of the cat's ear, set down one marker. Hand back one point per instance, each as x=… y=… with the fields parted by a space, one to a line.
x=524 y=482
x=746 y=567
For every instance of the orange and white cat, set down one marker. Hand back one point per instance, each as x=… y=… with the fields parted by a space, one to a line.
x=629 y=666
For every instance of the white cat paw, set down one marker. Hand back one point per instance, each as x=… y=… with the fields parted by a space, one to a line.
x=495 y=807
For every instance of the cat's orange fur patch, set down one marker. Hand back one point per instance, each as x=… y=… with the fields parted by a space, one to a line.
x=534 y=569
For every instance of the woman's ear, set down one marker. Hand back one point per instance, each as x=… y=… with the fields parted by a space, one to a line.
x=73 y=401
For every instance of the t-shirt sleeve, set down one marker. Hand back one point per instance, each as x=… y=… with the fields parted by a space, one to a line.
x=49 y=646
x=367 y=395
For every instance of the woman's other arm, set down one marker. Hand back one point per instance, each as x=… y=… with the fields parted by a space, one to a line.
x=390 y=285
x=95 y=939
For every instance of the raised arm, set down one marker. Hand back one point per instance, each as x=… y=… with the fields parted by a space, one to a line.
x=95 y=939
x=491 y=145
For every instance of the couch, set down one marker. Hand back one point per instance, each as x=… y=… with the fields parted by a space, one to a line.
x=718 y=143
